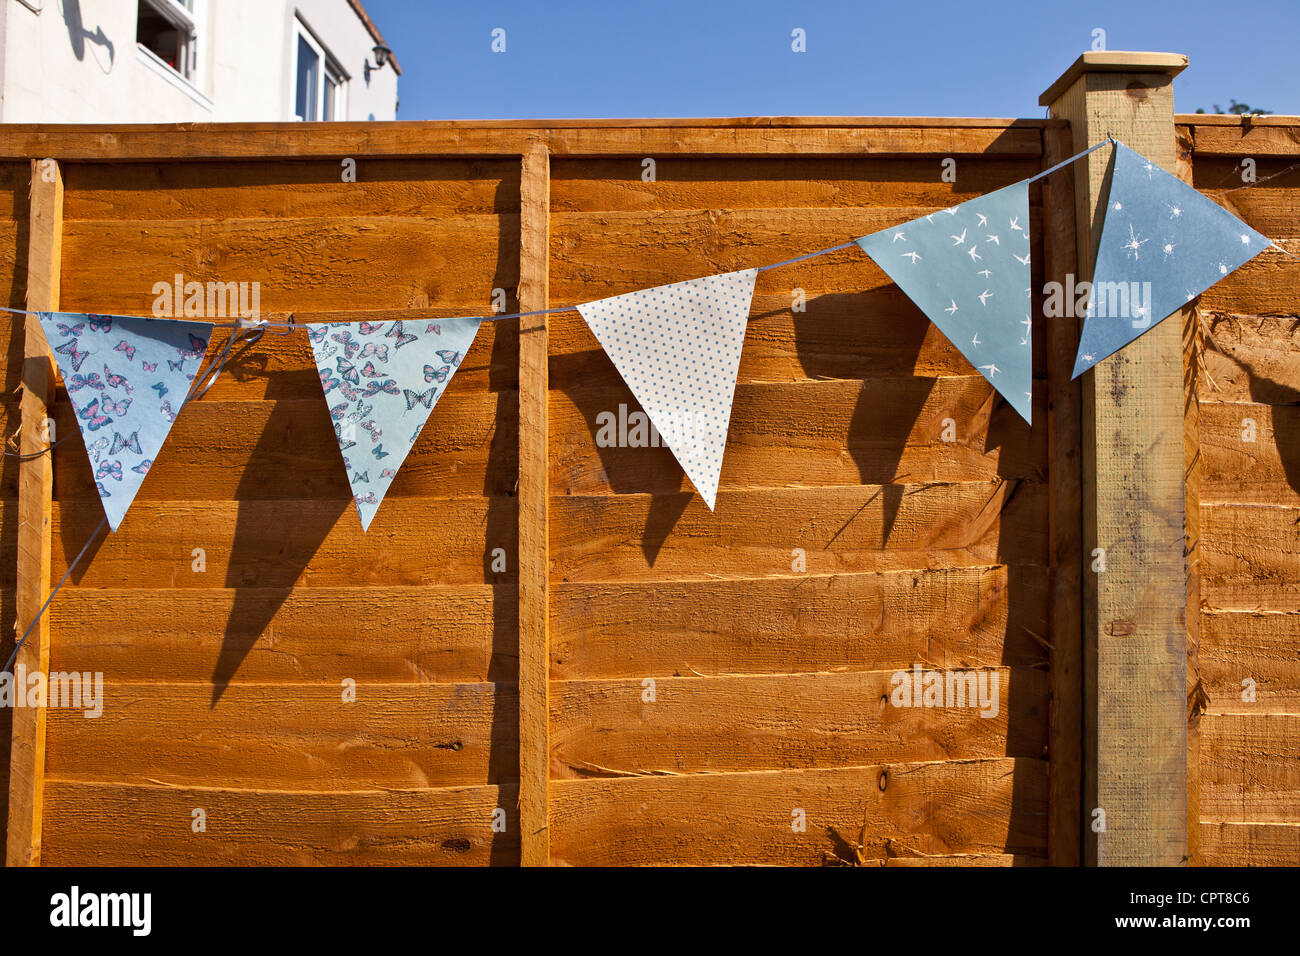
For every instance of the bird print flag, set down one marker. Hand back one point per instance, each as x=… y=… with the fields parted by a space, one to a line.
x=381 y=381
x=678 y=349
x=126 y=377
x=967 y=269
x=1162 y=244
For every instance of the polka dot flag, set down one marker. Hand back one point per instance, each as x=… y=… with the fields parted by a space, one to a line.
x=678 y=348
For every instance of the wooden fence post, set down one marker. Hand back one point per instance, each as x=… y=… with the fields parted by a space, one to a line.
x=35 y=493
x=1065 y=787
x=1134 y=631
x=533 y=501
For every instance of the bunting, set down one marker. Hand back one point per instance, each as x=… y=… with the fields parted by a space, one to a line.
x=381 y=381
x=678 y=349
x=126 y=378
x=967 y=269
x=1162 y=244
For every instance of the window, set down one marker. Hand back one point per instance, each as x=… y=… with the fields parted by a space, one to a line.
x=166 y=29
x=321 y=85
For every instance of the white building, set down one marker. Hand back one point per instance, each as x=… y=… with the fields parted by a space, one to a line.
x=177 y=61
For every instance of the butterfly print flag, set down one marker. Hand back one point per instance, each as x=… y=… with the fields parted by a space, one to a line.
x=381 y=381
x=967 y=269
x=1162 y=244
x=678 y=348
x=126 y=378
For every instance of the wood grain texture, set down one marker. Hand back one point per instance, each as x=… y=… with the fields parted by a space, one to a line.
x=302 y=264
x=307 y=542
x=106 y=824
x=1133 y=508
x=980 y=806
x=1249 y=844
x=1259 y=647
x=290 y=736
x=669 y=246
x=1250 y=767
x=837 y=136
x=35 y=544
x=813 y=182
x=949 y=617
x=534 y=502
x=733 y=723
x=806 y=434
x=1249 y=556
x=1064 y=428
x=292 y=189
x=463 y=634
x=1249 y=453
x=753 y=533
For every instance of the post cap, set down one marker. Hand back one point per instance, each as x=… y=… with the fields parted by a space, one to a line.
x=1114 y=61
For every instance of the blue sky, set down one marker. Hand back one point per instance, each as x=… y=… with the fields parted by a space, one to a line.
x=646 y=58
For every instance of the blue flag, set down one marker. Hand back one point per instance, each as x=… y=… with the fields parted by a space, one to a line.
x=381 y=381
x=967 y=269
x=126 y=378
x=1162 y=244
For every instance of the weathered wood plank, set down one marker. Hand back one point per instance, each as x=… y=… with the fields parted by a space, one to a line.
x=1065 y=484
x=292 y=189
x=1241 y=137
x=27 y=756
x=534 y=505
x=290 y=736
x=457 y=634
x=1269 y=284
x=1260 y=647
x=1252 y=358
x=1250 y=556
x=807 y=433
x=104 y=824
x=301 y=263
x=1250 y=453
x=688 y=182
x=652 y=248
x=977 y=806
x=753 y=533
x=1250 y=767
x=845 y=136
x=960 y=617
x=1249 y=844
x=309 y=543
x=735 y=723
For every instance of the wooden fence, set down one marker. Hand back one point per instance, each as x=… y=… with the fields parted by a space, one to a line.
x=641 y=681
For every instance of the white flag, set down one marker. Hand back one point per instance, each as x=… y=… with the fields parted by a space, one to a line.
x=678 y=348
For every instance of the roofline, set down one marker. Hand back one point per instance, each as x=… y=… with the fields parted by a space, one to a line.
x=378 y=37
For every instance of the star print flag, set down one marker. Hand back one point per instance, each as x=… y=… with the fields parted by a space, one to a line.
x=967 y=269
x=126 y=377
x=381 y=381
x=678 y=349
x=1162 y=244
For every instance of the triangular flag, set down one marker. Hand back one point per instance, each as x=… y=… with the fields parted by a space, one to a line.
x=967 y=269
x=678 y=348
x=1162 y=244
x=381 y=381
x=126 y=377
